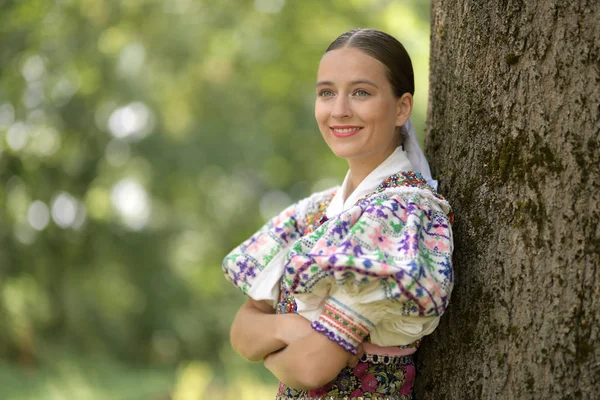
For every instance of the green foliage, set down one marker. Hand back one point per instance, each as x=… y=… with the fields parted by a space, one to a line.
x=139 y=142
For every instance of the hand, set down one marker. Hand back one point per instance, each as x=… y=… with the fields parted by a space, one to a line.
x=353 y=360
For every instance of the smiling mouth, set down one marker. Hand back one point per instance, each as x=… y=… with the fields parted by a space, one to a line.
x=345 y=131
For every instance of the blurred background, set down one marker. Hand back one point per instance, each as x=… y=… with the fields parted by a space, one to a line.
x=140 y=141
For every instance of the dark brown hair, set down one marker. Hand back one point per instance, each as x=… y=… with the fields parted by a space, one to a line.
x=387 y=50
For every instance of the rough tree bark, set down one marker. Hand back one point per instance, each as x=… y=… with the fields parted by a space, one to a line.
x=513 y=130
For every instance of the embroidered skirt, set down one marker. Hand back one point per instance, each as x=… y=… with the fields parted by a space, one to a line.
x=374 y=377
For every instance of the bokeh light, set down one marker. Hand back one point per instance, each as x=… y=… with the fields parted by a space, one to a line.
x=38 y=215
x=140 y=141
x=133 y=121
x=131 y=201
x=64 y=210
x=17 y=136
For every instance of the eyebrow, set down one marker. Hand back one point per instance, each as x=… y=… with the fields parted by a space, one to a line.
x=356 y=82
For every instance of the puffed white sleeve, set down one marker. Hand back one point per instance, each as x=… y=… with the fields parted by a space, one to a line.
x=256 y=266
x=382 y=268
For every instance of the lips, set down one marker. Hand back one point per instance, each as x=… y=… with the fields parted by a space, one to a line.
x=345 y=130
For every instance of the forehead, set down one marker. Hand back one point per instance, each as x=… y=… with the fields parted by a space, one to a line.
x=348 y=64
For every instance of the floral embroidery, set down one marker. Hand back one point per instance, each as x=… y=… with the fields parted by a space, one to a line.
x=381 y=239
x=368 y=383
x=390 y=237
x=387 y=377
x=371 y=378
x=286 y=304
x=414 y=270
x=407 y=178
x=244 y=262
x=341 y=325
x=412 y=179
x=316 y=216
x=353 y=258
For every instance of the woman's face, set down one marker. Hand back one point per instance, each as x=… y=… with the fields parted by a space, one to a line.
x=356 y=109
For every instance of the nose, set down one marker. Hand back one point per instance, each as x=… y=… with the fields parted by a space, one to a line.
x=341 y=108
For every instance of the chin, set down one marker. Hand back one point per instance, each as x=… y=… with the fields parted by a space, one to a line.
x=344 y=153
x=351 y=150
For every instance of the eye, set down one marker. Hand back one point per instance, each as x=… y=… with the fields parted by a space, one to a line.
x=325 y=93
x=361 y=93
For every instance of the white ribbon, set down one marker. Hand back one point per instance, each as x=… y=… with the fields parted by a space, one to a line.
x=415 y=155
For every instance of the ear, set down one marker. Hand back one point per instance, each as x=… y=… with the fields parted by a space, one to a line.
x=404 y=106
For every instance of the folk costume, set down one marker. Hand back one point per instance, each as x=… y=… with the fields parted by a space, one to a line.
x=374 y=268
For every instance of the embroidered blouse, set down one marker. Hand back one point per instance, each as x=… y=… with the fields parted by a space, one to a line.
x=377 y=264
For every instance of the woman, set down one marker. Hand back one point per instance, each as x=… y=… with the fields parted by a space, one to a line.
x=344 y=284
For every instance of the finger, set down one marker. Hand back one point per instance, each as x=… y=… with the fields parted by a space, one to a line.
x=360 y=351
x=353 y=362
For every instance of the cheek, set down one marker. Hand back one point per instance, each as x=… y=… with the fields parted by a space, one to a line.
x=384 y=115
x=320 y=113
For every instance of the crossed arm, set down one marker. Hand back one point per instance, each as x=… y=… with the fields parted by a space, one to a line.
x=295 y=353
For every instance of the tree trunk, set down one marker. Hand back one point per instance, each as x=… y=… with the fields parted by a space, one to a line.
x=513 y=133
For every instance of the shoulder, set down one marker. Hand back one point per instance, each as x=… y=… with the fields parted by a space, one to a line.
x=406 y=189
x=259 y=258
x=316 y=200
x=311 y=209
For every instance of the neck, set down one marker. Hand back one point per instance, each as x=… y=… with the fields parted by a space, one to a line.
x=360 y=168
